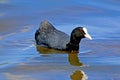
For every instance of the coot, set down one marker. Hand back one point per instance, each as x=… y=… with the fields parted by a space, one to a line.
x=48 y=36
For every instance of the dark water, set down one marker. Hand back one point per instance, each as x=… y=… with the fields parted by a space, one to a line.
x=98 y=59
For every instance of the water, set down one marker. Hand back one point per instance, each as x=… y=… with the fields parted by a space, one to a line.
x=20 y=59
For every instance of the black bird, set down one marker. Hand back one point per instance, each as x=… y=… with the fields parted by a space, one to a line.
x=48 y=36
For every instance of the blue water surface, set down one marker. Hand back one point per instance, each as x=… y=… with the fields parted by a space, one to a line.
x=101 y=17
x=98 y=59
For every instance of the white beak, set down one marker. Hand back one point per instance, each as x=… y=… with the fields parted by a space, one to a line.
x=88 y=36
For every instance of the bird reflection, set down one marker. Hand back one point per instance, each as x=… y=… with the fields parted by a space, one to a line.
x=78 y=75
x=72 y=56
x=44 y=50
x=73 y=59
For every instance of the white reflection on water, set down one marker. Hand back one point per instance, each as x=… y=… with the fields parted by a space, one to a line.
x=11 y=76
x=7 y=35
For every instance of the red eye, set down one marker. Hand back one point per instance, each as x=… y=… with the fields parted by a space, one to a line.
x=82 y=31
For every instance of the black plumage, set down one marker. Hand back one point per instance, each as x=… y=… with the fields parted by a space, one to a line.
x=48 y=36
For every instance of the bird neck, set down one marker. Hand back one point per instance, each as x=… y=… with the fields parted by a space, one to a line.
x=73 y=45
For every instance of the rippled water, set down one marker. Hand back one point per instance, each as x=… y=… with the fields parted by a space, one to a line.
x=20 y=59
